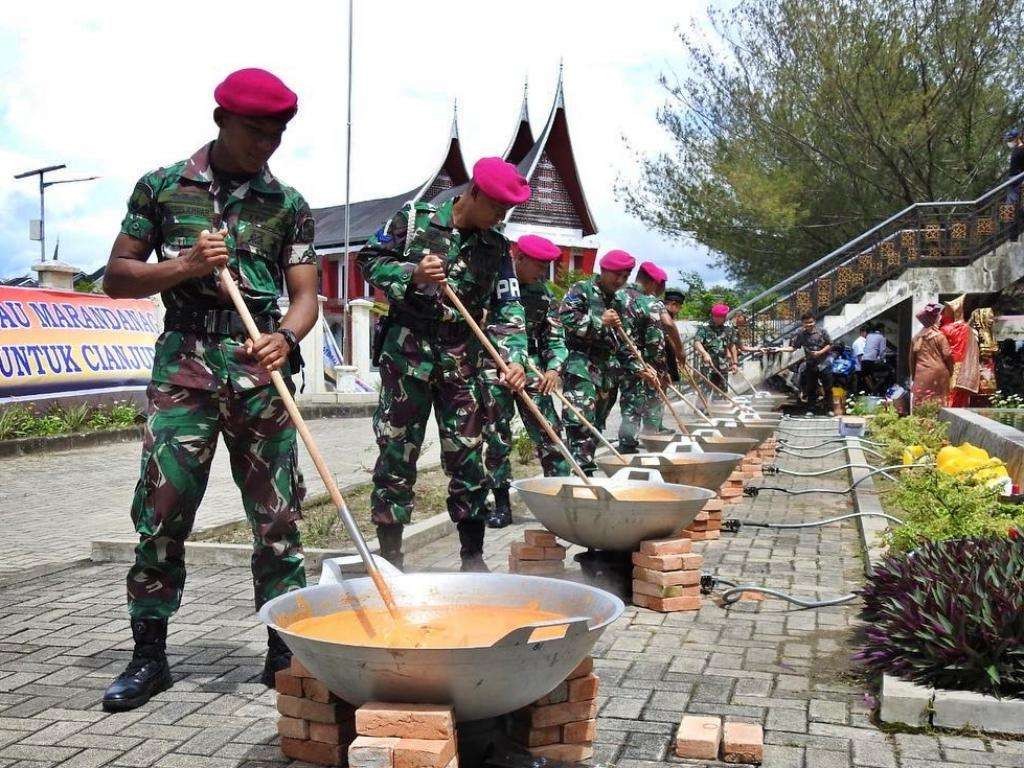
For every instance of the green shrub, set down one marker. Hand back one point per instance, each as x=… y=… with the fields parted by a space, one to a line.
x=15 y=421
x=949 y=615
x=899 y=432
x=25 y=421
x=935 y=507
x=523 y=446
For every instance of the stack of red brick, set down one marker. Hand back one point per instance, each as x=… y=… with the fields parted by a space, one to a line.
x=768 y=449
x=315 y=725
x=731 y=491
x=751 y=465
x=404 y=736
x=563 y=724
x=666 y=575
x=702 y=737
x=708 y=523
x=539 y=554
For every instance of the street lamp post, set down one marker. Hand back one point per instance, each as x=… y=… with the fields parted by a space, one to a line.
x=43 y=184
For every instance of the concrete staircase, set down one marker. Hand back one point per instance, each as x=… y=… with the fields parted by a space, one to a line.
x=988 y=274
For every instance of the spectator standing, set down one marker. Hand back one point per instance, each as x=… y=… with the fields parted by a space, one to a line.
x=816 y=345
x=931 y=359
x=872 y=361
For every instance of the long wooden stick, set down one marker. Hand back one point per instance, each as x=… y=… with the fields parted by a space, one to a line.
x=691 y=405
x=580 y=416
x=688 y=370
x=657 y=384
x=523 y=395
x=723 y=393
x=318 y=460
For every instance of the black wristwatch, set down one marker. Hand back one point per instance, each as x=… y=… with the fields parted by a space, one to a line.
x=290 y=337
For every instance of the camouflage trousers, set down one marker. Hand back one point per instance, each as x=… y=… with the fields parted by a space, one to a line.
x=582 y=393
x=498 y=435
x=641 y=408
x=606 y=396
x=177 y=450
x=400 y=423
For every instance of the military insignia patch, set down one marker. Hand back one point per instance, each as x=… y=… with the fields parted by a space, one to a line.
x=306 y=230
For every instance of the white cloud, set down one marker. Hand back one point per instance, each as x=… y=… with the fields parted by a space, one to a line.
x=118 y=88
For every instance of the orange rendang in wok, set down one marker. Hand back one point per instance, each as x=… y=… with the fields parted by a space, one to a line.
x=440 y=626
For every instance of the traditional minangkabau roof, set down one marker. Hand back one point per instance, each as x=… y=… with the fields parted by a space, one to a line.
x=547 y=162
x=550 y=166
x=367 y=216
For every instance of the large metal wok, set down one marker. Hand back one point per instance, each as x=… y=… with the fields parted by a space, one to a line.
x=658 y=441
x=728 y=444
x=615 y=513
x=477 y=682
x=739 y=426
x=703 y=470
x=725 y=410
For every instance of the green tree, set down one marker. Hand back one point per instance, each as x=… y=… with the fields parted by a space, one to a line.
x=699 y=298
x=808 y=121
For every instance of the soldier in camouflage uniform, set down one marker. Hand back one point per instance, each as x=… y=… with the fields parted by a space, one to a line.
x=429 y=357
x=547 y=351
x=590 y=312
x=208 y=379
x=639 y=401
x=717 y=344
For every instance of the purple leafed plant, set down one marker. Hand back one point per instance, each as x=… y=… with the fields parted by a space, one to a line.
x=949 y=615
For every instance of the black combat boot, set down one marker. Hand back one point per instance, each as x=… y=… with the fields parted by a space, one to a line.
x=279 y=656
x=501 y=515
x=390 y=539
x=471 y=536
x=147 y=674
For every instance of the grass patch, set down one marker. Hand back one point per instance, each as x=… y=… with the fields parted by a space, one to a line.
x=322 y=529
x=18 y=421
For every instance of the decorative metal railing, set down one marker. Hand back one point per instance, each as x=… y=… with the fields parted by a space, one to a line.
x=953 y=233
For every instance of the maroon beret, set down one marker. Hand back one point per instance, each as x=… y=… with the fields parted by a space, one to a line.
x=539 y=248
x=256 y=93
x=653 y=271
x=617 y=261
x=500 y=181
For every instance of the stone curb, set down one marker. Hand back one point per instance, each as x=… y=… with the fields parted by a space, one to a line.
x=51 y=443
x=905 y=702
x=203 y=553
x=865 y=499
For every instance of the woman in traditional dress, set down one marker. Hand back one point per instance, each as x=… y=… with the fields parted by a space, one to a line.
x=963 y=343
x=931 y=359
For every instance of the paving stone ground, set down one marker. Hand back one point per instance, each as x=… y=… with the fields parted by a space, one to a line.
x=65 y=635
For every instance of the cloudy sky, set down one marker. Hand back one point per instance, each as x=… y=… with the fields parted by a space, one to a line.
x=118 y=88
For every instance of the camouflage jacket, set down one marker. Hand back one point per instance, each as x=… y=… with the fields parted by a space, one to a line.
x=588 y=339
x=543 y=328
x=716 y=340
x=270 y=228
x=479 y=269
x=642 y=321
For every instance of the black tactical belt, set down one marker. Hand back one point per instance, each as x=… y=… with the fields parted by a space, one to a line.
x=429 y=327
x=215 y=322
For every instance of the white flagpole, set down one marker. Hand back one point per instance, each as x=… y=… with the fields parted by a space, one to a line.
x=347 y=351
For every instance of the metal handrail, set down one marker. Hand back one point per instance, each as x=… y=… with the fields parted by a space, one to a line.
x=828 y=258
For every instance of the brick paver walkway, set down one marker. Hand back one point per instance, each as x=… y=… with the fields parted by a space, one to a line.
x=52 y=505
x=63 y=636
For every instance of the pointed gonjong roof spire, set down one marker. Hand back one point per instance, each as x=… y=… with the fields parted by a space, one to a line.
x=550 y=166
x=452 y=170
x=522 y=136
